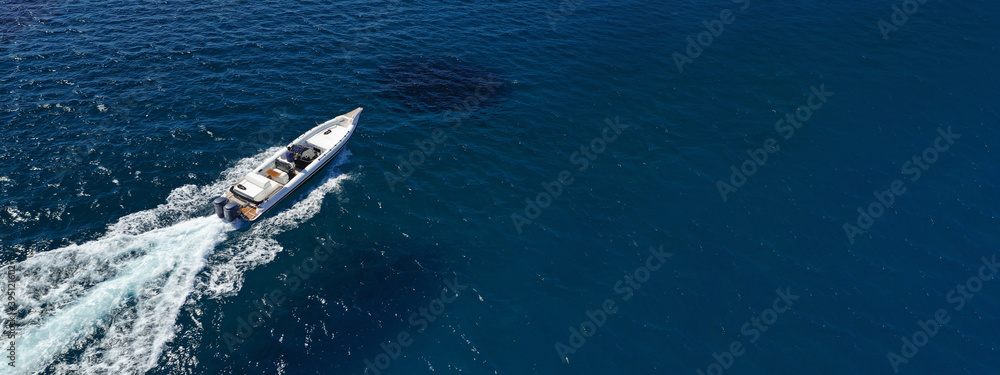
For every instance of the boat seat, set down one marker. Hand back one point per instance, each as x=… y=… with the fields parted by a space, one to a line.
x=259 y=180
x=284 y=166
x=257 y=187
x=280 y=176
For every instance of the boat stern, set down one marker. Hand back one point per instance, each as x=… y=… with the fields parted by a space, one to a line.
x=230 y=208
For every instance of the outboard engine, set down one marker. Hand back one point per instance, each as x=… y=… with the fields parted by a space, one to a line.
x=219 y=204
x=231 y=211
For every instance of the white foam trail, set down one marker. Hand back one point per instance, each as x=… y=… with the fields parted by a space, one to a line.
x=123 y=291
x=258 y=247
x=111 y=305
x=186 y=200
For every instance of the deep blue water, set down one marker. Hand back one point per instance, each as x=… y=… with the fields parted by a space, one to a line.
x=122 y=120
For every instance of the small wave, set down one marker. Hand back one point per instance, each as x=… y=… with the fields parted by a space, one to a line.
x=187 y=200
x=123 y=291
x=111 y=305
x=258 y=246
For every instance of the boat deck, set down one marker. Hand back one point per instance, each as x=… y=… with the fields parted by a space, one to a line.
x=275 y=176
x=249 y=212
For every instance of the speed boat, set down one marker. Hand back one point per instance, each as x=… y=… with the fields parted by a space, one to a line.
x=276 y=178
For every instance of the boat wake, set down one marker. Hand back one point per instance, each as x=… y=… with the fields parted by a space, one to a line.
x=111 y=305
x=258 y=246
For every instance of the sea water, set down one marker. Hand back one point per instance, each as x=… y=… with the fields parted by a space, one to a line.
x=534 y=187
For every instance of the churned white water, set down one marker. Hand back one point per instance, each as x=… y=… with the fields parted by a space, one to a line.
x=257 y=246
x=111 y=305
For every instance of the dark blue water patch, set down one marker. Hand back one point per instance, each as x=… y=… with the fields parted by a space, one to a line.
x=434 y=85
x=17 y=16
x=342 y=312
x=158 y=91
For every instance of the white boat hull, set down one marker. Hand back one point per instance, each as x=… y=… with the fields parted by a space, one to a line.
x=275 y=178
